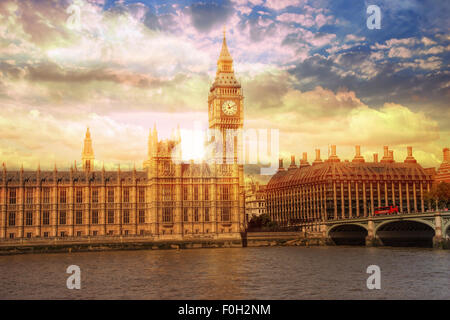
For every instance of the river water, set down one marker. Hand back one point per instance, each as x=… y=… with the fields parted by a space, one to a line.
x=234 y=273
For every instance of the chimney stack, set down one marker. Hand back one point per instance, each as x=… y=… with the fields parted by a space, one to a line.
x=386 y=157
x=358 y=157
x=293 y=165
x=304 y=160
x=391 y=156
x=375 y=157
x=318 y=160
x=446 y=153
x=280 y=165
x=409 y=157
x=333 y=157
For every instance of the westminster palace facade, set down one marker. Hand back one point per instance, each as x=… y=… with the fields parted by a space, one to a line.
x=168 y=199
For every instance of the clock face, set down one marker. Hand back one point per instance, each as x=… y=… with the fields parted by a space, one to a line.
x=229 y=107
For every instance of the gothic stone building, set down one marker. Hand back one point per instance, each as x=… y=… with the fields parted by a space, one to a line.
x=331 y=189
x=169 y=199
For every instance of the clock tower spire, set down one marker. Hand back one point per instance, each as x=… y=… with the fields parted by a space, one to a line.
x=226 y=106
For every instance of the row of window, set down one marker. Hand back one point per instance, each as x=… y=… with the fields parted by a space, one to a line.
x=225 y=215
x=329 y=189
x=78 y=217
x=78 y=234
x=168 y=193
x=63 y=193
x=167 y=216
x=110 y=233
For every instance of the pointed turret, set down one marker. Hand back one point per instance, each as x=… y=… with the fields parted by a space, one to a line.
x=225 y=62
x=87 y=156
x=225 y=72
x=150 y=144
x=103 y=173
x=55 y=174
x=38 y=173
x=178 y=134
x=4 y=173
x=155 y=138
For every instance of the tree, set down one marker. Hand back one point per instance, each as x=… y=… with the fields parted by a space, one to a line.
x=262 y=222
x=439 y=195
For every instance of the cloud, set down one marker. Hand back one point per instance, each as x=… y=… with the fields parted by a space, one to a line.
x=427 y=41
x=355 y=38
x=319 y=117
x=400 y=52
x=431 y=63
x=312 y=71
x=282 y=4
x=206 y=15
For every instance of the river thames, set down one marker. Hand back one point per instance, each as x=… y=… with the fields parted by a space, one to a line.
x=234 y=273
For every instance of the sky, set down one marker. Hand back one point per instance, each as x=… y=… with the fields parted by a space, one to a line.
x=311 y=69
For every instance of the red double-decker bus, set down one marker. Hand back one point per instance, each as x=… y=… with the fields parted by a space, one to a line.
x=386 y=210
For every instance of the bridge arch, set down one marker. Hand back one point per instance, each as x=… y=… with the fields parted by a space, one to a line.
x=406 y=232
x=362 y=225
x=426 y=222
x=446 y=229
x=348 y=234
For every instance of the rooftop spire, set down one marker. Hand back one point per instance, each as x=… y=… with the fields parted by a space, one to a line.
x=87 y=156
x=225 y=62
x=224 y=53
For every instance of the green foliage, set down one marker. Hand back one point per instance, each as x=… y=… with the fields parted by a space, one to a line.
x=440 y=195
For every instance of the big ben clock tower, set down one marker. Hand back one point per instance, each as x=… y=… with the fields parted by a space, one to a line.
x=226 y=107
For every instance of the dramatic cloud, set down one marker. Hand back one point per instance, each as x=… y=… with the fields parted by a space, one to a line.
x=312 y=69
x=205 y=15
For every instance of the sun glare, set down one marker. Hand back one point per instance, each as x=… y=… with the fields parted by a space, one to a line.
x=192 y=144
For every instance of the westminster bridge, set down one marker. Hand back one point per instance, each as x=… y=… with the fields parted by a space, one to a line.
x=424 y=229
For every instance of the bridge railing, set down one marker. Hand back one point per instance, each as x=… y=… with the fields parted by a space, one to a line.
x=390 y=215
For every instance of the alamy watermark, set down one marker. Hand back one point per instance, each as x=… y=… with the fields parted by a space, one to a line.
x=74 y=20
x=74 y=280
x=374 y=280
x=242 y=146
x=374 y=19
